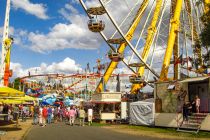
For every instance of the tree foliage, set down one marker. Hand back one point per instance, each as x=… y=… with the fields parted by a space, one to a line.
x=205 y=33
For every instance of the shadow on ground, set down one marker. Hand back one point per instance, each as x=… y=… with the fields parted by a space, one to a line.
x=3 y=123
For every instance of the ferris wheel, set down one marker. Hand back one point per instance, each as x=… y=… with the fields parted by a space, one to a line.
x=153 y=38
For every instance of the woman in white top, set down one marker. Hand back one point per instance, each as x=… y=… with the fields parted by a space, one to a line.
x=90 y=116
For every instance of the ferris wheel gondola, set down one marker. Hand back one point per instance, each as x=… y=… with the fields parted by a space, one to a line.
x=115 y=56
x=95 y=24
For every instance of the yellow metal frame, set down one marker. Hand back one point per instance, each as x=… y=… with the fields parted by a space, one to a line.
x=150 y=36
x=175 y=21
x=122 y=46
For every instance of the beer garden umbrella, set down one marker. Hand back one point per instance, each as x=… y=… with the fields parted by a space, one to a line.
x=10 y=92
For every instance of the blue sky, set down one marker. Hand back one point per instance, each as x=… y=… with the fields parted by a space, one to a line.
x=36 y=25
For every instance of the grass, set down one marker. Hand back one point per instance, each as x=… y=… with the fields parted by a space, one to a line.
x=156 y=131
x=168 y=131
x=100 y=124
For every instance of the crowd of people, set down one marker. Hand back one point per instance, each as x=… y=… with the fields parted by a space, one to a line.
x=43 y=115
x=13 y=112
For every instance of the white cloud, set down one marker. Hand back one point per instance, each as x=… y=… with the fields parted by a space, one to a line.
x=74 y=34
x=38 y=10
x=66 y=66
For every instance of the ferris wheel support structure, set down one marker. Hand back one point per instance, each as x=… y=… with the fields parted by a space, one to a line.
x=149 y=40
x=175 y=21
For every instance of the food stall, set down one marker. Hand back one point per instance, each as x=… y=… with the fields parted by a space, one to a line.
x=107 y=105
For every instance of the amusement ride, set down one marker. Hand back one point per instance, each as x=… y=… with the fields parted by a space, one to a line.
x=139 y=34
x=171 y=29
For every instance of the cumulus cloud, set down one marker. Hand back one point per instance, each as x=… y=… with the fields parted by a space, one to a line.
x=73 y=34
x=38 y=10
x=66 y=66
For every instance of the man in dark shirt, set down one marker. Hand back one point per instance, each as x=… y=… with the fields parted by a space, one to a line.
x=5 y=111
x=186 y=110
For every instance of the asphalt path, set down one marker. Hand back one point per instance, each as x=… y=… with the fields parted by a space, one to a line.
x=61 y=131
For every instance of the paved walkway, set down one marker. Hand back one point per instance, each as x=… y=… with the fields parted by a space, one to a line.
x=13 y=132
x=65 y=132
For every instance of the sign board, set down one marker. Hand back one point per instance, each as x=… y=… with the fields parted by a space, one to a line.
x=108 y=116
x=107 y=97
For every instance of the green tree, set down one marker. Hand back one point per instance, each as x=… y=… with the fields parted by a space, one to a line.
x=17 y=83
x=205 y=34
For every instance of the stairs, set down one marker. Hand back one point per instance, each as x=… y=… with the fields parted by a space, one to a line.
x=194 y=123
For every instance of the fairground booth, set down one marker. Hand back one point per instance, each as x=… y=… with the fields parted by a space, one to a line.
x=170 y=97
x=108 y=106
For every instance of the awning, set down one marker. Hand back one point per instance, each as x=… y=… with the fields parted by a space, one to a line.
x=10 y=101
x=10 y=92
x=25 y=98
x=104 y=102
x=194 y=79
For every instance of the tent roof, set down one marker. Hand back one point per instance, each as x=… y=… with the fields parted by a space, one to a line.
x=194 y=79
x=10 y=92
x=148 y=101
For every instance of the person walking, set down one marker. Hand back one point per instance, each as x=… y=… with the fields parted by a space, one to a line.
x=72 y=114
x=56 y=114
x=16 y=114
x=44 y=114
x=49 y=115
x=90 y=116
x=35 y=115
x=31 y=112
x=5 y=111
x=40 y=116
x=82 y=116
x=24 y=112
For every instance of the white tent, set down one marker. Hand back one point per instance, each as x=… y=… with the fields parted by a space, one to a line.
x=142 y=112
